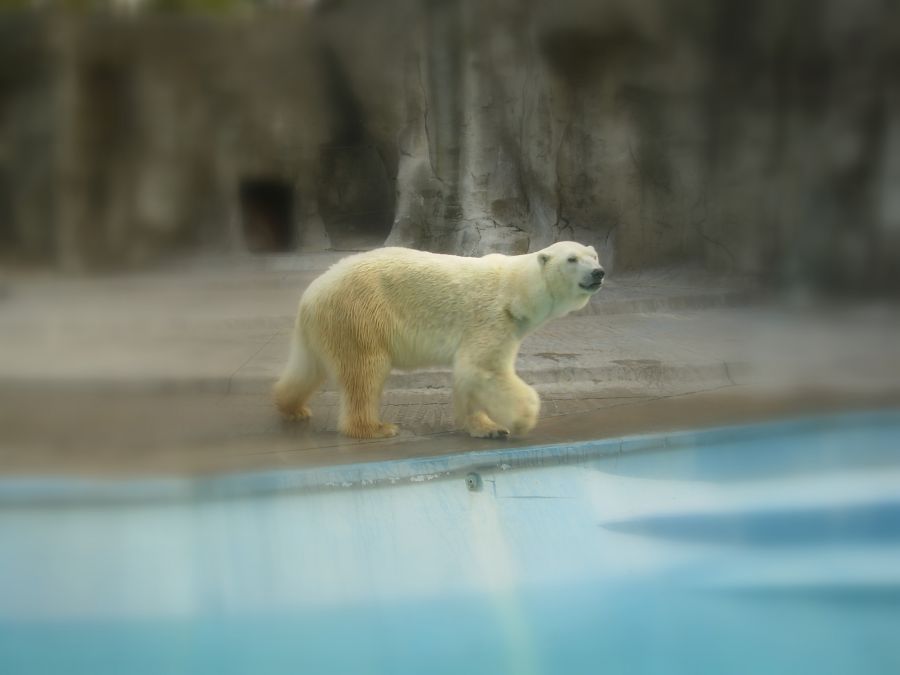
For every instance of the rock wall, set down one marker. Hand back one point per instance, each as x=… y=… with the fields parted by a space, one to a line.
x=751 y=137
x=162 y=120
x=27 y=141
x=742 y=136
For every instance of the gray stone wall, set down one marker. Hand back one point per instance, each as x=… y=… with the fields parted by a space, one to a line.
x=754 y=137
x=748 y=137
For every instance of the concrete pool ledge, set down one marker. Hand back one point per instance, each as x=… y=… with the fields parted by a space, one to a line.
x=30 y=492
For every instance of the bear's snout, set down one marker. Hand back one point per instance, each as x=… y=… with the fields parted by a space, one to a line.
x=593 y=280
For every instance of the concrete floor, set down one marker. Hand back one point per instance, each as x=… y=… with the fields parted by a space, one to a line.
x=170 y=373
x=192 y=434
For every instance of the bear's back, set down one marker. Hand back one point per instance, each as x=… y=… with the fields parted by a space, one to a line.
x=421 y=304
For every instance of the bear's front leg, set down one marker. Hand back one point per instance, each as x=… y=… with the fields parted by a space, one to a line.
x=469 y=413
x=524 y=406
x=479 y=425
x=491 y=404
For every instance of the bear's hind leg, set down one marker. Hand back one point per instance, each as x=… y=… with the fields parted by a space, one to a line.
x=362 y=380
x=302 y=376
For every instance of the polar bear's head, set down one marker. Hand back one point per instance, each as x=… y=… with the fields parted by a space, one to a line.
x=572 y=272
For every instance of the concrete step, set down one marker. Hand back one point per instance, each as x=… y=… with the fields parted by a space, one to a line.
x=645 y=373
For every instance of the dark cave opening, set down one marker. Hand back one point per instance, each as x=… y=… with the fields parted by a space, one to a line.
x=267 y=215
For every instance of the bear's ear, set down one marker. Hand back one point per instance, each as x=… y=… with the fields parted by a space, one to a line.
x=543 y=258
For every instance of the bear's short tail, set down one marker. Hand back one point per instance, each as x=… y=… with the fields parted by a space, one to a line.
x=302 y=376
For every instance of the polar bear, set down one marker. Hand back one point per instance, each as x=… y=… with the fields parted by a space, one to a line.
x=402 y=308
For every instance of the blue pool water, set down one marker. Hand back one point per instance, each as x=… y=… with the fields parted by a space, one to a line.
x=766 y=549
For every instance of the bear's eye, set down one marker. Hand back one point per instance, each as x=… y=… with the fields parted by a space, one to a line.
x=572 y=258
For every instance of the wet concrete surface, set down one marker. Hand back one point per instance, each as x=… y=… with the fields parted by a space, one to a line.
x=195 y=433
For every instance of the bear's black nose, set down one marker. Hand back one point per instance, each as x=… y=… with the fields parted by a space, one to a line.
x=598 y=273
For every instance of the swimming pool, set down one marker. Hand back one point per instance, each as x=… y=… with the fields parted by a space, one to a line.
x=773 y=548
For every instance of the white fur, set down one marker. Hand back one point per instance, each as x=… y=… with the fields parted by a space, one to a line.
x=401 y=308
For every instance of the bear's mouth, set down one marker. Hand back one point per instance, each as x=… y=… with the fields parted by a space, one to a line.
x=592 y=287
